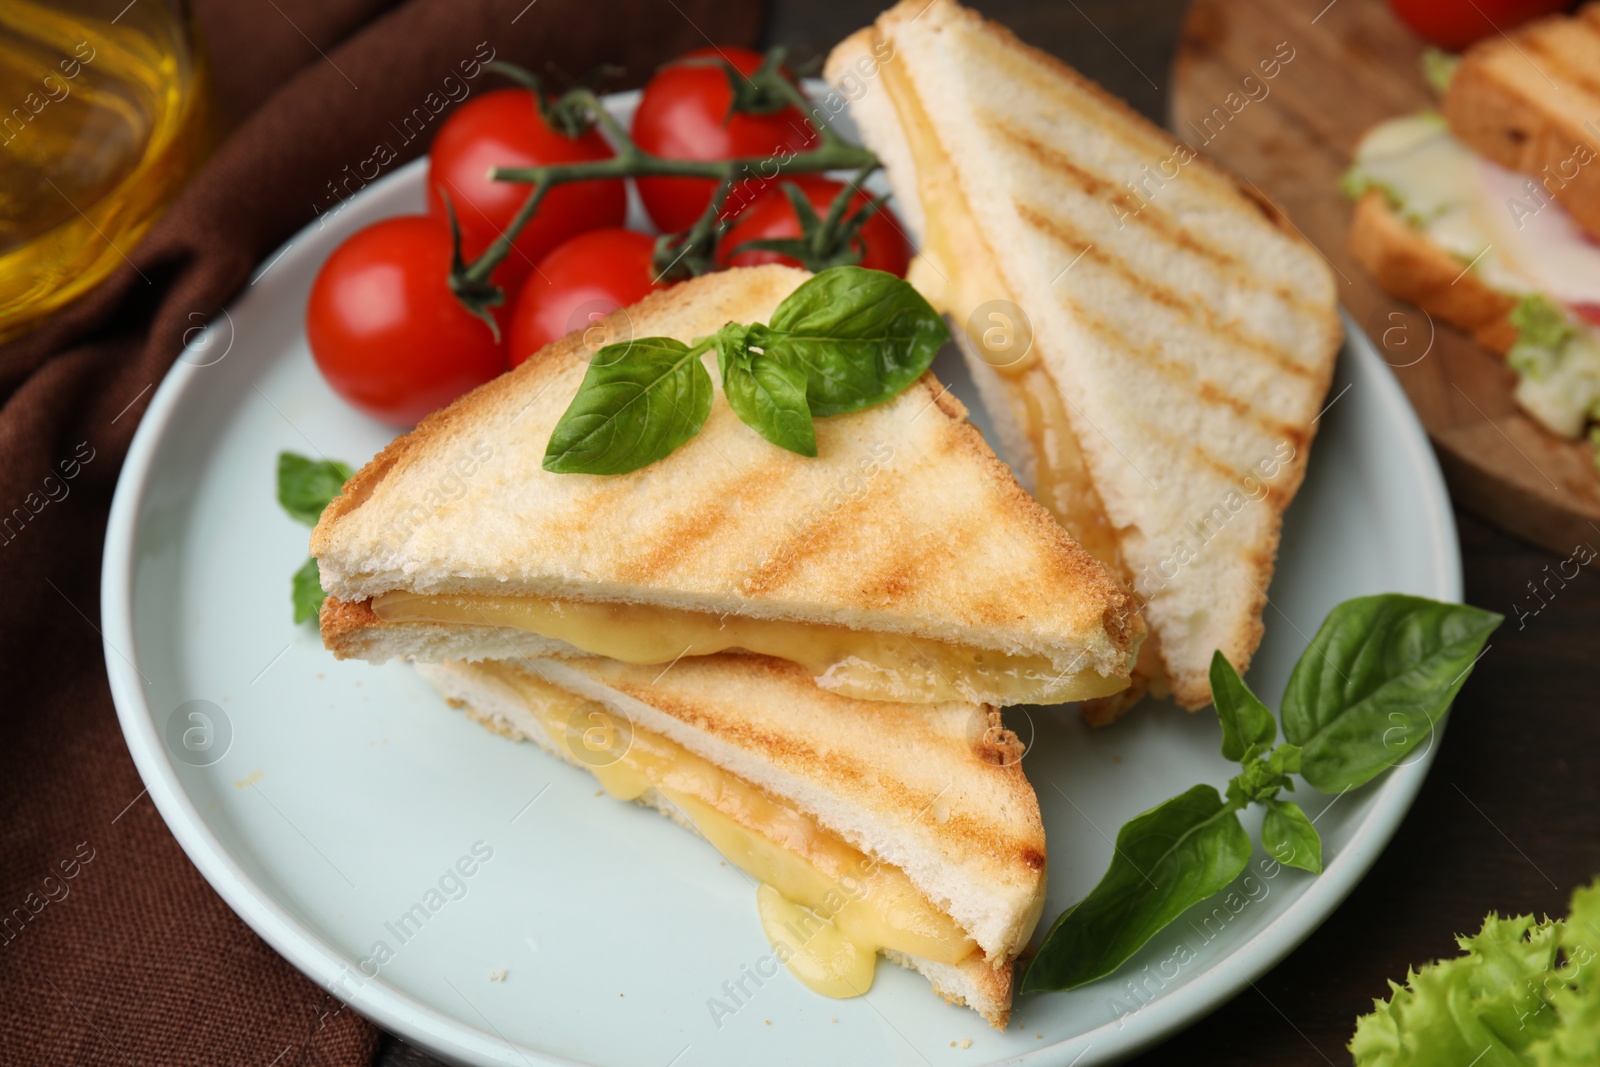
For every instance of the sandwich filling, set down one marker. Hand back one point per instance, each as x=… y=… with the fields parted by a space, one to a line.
x=827 y=907
x=1506 y=229
x=855 y=663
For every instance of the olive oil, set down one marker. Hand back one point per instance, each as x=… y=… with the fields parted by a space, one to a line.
x=102 y=119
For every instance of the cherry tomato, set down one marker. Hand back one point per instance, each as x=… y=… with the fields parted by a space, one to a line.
x=1454 y=24
x=580 y=283
x=386 y=331
x=772 y=216
x=504 y=128
x=683 y=114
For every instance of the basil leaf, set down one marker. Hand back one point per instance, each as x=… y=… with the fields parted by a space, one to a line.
x=768 y=396
x=1379 y=675
x=1289 y=837
x=639 y=401
x=860 y=335
x=305 y=486
x=1171 y=857
x=308 y=594
x=1245 y=720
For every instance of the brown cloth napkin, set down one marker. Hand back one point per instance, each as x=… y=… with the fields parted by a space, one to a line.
x=113 y=949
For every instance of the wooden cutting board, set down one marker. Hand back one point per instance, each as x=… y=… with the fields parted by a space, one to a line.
x=1337 y=69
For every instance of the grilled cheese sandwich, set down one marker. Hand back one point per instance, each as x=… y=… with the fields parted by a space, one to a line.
x=1182 y=336
x=904 y=562
x=871 y=828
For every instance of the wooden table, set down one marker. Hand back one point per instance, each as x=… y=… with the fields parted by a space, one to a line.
x=1509 y=818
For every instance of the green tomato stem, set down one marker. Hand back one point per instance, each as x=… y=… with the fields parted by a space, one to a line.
x=469 y=283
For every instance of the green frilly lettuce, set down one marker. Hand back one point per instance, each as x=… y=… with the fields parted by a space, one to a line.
x=1543 y=331
x=1523 y=994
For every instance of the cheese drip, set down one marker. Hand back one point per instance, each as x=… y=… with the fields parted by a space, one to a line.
x=855 y=663
x=826 y=906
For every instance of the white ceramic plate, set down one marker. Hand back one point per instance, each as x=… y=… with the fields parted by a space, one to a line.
x=326 y=801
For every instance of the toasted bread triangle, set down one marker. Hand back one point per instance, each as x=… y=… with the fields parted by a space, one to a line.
x=935 y=790
x=905 y=522
x=1189 y=331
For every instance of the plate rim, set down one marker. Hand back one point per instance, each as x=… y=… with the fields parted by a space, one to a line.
x=449 y=1037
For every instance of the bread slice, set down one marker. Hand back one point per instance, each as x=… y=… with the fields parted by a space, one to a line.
x=1530 y=101
x=1406 y=264
x=934 y=790
x=904 y=524
x=1184 y=330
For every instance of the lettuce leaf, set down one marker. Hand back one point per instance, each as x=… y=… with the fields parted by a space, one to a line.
x=1543 y=330
x=1523 y=994
x=1356 y=181
x=1438 y=67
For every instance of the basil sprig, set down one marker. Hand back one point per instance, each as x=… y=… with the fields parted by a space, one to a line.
x=847 y=339
x=305 y=488
x=1380 y=674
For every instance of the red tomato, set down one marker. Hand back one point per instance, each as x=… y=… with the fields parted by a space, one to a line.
x=1589 y=312
x=386 y=331
x=772 y=216
x=579 y=284
x=1454 y=24
x=683 y=114
x=504 y=128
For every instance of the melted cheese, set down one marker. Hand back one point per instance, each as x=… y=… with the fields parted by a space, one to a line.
x=867 y=666
x=826 y=906
x=1061 y=476
x=958 y=283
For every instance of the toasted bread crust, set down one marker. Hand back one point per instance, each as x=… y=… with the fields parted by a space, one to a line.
x=1528 y=101
x=972 y=983
x=1010 y=104
x=1408 y=265
x=340 y=620
x=352 y=630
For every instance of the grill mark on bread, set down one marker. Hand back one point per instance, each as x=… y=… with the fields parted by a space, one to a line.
x=1003 y=46
x=902 y=572
x=1071 y=562
x=1199 y=314
x=972 y=828
x=690 y=528
x=1215 y=395
x=1112 y=116
x=678 y=539
x=815 y=539
x=1146 y=214
x=1185 y=373
x=1093 y=185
